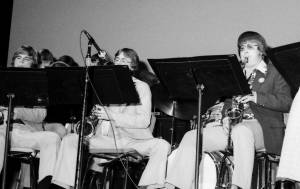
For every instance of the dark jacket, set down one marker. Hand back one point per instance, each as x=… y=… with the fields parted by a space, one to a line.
x=273 y=99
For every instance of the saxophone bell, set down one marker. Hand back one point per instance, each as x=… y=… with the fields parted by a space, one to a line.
x=235 y=112
x=89 y=127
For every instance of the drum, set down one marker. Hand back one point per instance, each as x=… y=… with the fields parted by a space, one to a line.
x=215 y=171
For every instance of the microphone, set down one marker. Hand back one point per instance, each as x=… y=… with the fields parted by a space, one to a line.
x=88 y=58
x=91 y=39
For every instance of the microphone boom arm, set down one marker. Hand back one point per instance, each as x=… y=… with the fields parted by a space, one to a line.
x=99 y=50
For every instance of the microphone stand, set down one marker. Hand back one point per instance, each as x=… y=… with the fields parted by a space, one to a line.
x=7 y=139
x=199 y=139
x=78 y=175
x=199 y=136
x=173 y=125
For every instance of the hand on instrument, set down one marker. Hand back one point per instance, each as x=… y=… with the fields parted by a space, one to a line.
x=100 y=112
x=102 y=54
x=69 y=128
x=247 y=98
x=3 y=114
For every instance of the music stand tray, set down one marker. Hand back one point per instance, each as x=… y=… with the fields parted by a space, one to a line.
x=110 y=85
x=113 y=85
x=30 y=86
x=221 y=76
x=66 y=85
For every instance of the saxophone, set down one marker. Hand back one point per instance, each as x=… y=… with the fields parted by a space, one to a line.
x=89 y=128
x=235 y=114
x=236 y=111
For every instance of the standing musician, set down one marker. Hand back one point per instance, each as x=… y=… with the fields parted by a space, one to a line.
x=288 y=170
x=262 y=126
x=29 y=131
x=120 y=126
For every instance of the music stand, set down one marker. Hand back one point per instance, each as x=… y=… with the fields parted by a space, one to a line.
x=286 y=59
x=191 y=78
x=65 y=85
x=28 y=87
x=112 y=85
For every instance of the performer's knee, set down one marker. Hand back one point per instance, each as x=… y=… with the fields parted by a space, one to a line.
x=164 y=145
x=241 y=133
x=51 y=137
x=189 y=138
x=60 y=130
x=70 y=140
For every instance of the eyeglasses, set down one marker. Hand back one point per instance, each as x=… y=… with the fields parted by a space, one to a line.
x=122 y=60
x=248 y=46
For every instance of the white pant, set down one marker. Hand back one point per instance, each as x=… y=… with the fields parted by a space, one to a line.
x=46 y=142
x=246 y=137
x=290 y=155
x=154 y=173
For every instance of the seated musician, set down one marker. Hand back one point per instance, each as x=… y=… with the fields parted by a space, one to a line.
x=263 y=131
x=45 y=58
x=288 y=170
x=29 y=131
x=120 y=126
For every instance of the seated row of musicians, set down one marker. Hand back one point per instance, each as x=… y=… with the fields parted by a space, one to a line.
x=120 y=126
x=127 y=126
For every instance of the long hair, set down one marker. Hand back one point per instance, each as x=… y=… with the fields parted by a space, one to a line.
x=139 y=69
x=130 y=53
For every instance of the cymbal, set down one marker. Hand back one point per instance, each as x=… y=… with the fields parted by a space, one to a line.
x=185 y=110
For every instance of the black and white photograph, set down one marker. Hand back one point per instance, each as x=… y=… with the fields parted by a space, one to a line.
x=150 y=94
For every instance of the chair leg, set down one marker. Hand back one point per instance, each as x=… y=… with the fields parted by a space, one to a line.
x=260 y=173
x=267 y=172
x=106 y=177
x=19 y=179
x=271 y=164
x=126 y=172
x=111 y=178
x=93 y=176
x=33 y=177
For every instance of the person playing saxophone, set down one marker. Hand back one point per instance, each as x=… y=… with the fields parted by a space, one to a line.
x=262 y=126
x=120 y=126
